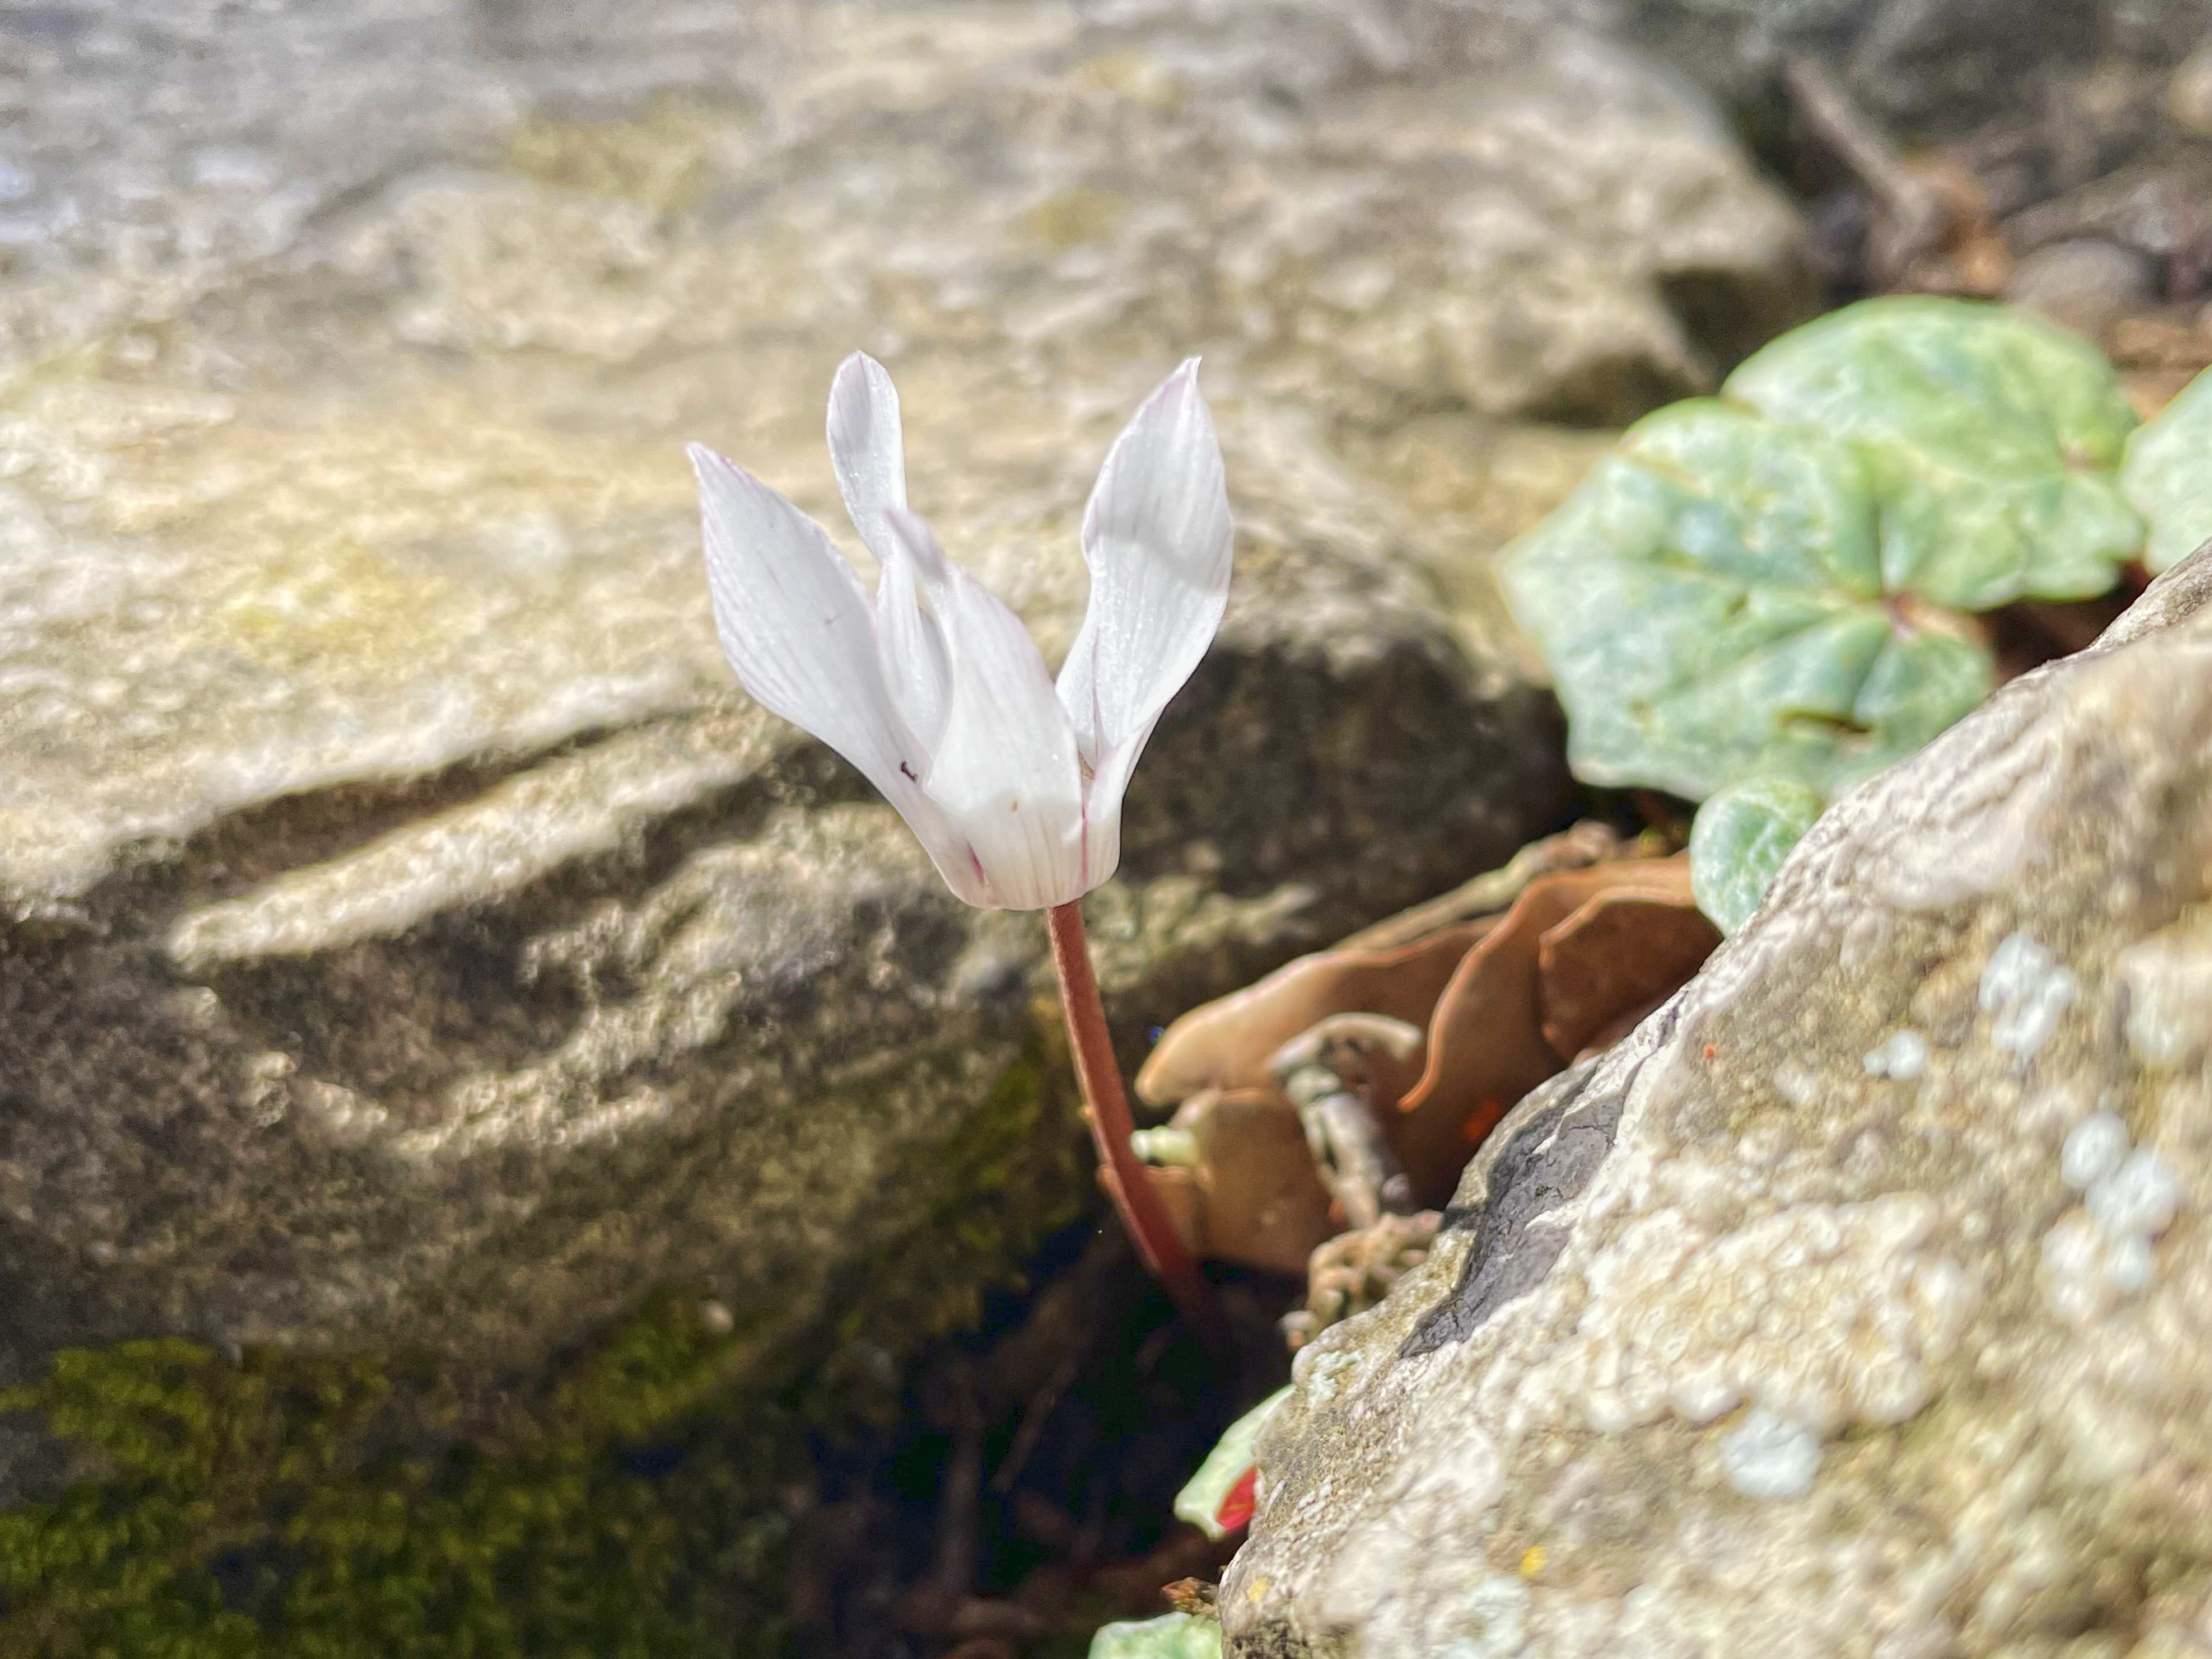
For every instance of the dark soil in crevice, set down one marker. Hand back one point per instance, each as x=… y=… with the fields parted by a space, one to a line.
x=1022 y=1494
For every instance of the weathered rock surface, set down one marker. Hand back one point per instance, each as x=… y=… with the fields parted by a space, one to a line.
x=1861 y=1301
x=411 y=934
x=1929 y=68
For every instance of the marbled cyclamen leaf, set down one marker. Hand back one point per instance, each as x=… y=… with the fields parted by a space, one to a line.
x=1200 y=1501
x=1171 y=1636
x=1792 y=511
x=1990 y=436
x=1738 y=841
x=1709 y=603
x=2167 y=475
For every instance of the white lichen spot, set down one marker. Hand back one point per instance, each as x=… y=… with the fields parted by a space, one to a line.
x=2029 y=990
x=1493 y=1615
x=1703 y=1393
x=2092 y=1150
x=2075 y=1285
x=1903 y=1055
x=2141 y=1198
x=1826 y=1314
x=1768 y=1456
x=1316 y=1371
x=1797 y=1086
x=2103 y=1250
x=2130 y=1264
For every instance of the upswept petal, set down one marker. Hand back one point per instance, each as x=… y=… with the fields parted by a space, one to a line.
x=866 y=449
x=914 y=663
x=868 y=453
x=1006 y=771
x=1157 y=535
x=793 y=622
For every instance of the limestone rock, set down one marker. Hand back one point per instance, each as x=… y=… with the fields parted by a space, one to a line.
x=1925 y=68
x=410 y=933
x=1768 y=1331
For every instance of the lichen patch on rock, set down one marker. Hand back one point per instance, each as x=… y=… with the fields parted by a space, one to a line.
x=1820 y=1356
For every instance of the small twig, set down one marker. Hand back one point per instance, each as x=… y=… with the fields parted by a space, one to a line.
x=960 y=1492
x=1918 y=218
x=1356 y=1270
x=1859 y=145
x=1324 y=1072
x=1032 y=1425
x=1107 y=1108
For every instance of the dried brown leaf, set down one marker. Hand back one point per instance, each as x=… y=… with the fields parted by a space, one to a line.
x=1487 y=895
x=1506 y=1000
x=1226 y=1044
x=1488 y=1046
x=1620 y=953
x=1261 y=1202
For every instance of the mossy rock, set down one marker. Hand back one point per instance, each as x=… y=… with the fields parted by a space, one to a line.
x=411 y=944
x=325 y=1510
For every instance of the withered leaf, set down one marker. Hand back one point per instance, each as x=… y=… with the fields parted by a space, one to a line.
x=1179 y=1196
x=1487 y=1040
x=1618 y=956
x=1226 y=1044
x=1506 y=1000
x=1258 y=1201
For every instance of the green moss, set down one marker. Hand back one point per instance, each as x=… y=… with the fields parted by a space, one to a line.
x=358 y=1508
x=1016 y=1170
x=322 y=1509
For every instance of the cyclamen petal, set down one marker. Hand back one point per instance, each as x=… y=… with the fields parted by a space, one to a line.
x=936 y=692
x=1158 y=537
x=794 y=623
x=866 y=448
x=1005 y=772
x=868 y=453
x=794 y=619
x=916 y=663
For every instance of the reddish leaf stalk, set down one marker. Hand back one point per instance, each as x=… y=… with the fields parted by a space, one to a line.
x=1121 y=1171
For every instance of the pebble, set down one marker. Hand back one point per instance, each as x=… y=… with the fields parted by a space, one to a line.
x=2085 y=283
x=2189 y=93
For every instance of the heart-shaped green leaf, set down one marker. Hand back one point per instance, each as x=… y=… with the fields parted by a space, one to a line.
x=1771 y=583
x=1991 y=437
x=1738 y=841
x=1710 y=605
x=2167 y=474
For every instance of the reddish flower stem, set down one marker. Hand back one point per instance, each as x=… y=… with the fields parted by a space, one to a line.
x=1121 y=1171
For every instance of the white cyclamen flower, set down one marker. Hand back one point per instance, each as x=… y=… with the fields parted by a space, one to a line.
x=936 y=692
